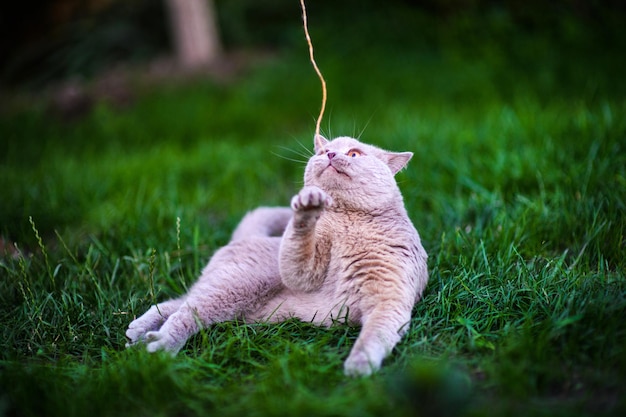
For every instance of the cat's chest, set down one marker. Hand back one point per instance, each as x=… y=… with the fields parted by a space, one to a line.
x=365 y=257
x=360 y=247
x=350 y=234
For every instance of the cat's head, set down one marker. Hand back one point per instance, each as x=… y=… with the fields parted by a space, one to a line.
x=355 y=173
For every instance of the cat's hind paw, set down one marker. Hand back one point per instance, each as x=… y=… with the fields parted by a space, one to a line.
x=133 y=336
x=162 y=341
x=136 y=333
x=138 y=328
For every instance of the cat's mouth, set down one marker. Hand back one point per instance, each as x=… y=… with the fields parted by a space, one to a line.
x=330 y=166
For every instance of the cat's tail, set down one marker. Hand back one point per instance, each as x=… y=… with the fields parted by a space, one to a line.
x=263 y=221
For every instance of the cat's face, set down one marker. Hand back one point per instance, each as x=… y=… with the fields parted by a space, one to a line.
x=354 y=172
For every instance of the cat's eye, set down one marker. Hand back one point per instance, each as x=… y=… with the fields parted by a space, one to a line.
x=353 y=153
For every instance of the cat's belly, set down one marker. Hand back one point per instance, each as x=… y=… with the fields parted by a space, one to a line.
x=315 y=307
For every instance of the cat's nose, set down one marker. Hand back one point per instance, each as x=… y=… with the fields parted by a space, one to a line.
x=331 y=155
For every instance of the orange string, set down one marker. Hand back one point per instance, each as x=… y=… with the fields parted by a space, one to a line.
x=317 y=70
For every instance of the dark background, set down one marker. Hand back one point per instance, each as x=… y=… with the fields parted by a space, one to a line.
x=43 y=41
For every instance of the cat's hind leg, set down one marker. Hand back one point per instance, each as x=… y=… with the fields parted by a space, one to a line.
x=263 y=221
x=172 y=335
x=238 y=281
x=151 y=320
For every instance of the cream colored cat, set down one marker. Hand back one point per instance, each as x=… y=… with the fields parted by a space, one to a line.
x=348 y=251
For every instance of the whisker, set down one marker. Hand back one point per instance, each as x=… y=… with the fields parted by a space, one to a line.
x=307 y=151
x=306 y=154
x=299 y=161
x=329 y=135
x=366 y=124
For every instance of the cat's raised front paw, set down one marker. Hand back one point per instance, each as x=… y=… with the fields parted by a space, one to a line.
x=310 y=198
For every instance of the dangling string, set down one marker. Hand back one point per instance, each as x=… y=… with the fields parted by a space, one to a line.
x=317 y=70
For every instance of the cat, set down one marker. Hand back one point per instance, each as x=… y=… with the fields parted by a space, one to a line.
x=345 y=251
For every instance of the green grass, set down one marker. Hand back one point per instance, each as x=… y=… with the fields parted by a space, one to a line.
x=517 y=186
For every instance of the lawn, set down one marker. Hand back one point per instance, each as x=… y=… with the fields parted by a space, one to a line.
x=517 y=187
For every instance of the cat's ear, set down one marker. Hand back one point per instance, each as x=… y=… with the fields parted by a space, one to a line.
x=320 y=141
x=396 y=160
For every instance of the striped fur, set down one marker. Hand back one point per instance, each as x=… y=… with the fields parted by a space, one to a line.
x=349 y=252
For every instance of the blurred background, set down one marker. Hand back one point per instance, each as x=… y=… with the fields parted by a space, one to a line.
x=68 y=43
x=110 y=110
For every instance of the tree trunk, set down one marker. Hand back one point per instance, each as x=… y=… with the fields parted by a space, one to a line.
x=194 y=28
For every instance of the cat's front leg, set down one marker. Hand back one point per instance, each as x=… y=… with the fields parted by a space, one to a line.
x=303 y=257
x=381 y=331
